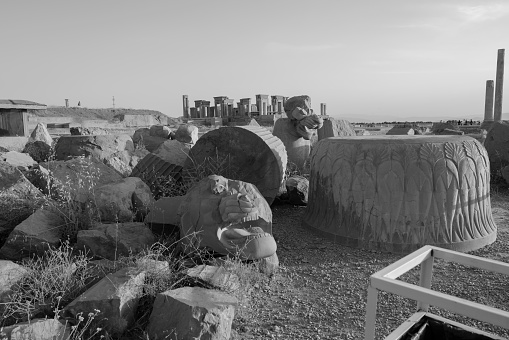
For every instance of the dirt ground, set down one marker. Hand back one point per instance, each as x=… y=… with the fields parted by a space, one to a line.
x=321 y=289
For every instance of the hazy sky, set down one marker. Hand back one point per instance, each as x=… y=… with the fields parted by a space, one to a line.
x=363 y=58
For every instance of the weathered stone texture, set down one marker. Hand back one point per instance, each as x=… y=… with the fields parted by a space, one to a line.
x=227 y=223
x=123 y=201
x=33 y=236
x=198 y=313
x=297 y=148
x=335 y=128
x=252 y=154
x=101 y=146
x=110 y=241
x=399 y=193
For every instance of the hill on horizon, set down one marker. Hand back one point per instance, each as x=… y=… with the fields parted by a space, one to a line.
x=82 y=113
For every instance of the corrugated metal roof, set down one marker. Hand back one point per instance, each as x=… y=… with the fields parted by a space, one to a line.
x=20 y=104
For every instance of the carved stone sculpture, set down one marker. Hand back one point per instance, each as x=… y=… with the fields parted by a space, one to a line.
x=227 y=216
x=296 y=130
x=397 y=193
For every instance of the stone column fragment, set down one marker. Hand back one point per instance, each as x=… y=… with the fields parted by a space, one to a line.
x=488 y=103
x=499 y=86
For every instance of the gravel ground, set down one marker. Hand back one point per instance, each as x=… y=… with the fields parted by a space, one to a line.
x=321 y=289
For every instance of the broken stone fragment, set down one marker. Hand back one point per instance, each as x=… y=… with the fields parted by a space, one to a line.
x=114 y=299
x=196 y=313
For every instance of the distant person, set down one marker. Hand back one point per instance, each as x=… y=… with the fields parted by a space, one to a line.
x=79 y=103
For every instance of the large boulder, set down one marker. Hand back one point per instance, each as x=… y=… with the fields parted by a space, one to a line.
x=335 y=128
x=438 y=128
x=18 y=159
x=41 y=134
x=33 y=236
x=247 y=153
x=88 y=131
x=77 y=177
x=143 y=138
x=115 y=298
x=123 y=201
x=10 y=274
x=101 y=147
x=110 y=241
x=227 y=217
x=497 y=145
x=297 y=188
x=174 y=152
x=164 y=218
x=196 y=313
x=39 y=151
x=37 y=329
x=187 y=133
x=160 y=131
x=13 y=182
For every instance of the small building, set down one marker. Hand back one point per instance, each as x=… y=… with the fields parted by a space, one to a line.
x=400 y=131
x=14 y=116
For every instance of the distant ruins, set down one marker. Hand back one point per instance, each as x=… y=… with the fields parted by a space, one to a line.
x=224 y=107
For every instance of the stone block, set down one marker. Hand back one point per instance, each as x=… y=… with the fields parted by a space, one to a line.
x=33 y=236
x=116 y=298
x=196 y=313
x=110 y=241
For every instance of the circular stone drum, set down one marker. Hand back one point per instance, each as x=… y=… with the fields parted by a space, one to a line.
x=398 y=193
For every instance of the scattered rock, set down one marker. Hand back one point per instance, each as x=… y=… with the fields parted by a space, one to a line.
x=335 y=128
x=297 y=188
x=110 y=241
x=13 y=182
x=39 y=151
x=77 y=177
x=401 y=131
x=160 y=131
x=88 y=131
x=450 y=132
x=18 y=159
x=116 y=298
x=198 y=313
x=122 y=201
x=117 y=164
x=269 y=265
x=41 y=134
x=215 y=277
x=174 y=152
x=437 y=128
x=163 y=218
x=33 y=236
x=101 y=147
x=37 y=329
x=187 y=133
x=497 y=145
x=10 y=273
x=143 y=138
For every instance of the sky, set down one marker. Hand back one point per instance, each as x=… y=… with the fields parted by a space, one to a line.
x=375 y=59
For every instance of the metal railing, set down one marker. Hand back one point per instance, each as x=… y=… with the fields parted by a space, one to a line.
x=386 y=280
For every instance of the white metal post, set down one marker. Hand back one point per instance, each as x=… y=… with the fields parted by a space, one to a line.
x=371 y=306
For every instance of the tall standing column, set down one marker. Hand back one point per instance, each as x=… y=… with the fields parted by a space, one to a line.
x=185 y=106
x=499 y=86
x=488 y=103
